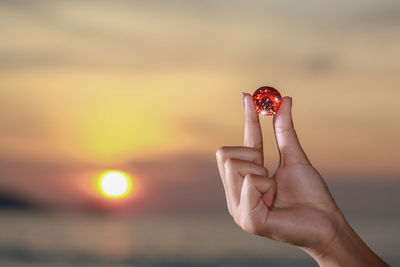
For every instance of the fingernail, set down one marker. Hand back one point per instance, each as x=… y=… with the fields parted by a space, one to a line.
x=243 y=97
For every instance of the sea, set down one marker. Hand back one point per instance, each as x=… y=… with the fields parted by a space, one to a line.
x=43 y=238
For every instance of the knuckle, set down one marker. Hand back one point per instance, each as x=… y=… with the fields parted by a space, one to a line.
x=229 y=163
x=249 y=177
x=220 y=152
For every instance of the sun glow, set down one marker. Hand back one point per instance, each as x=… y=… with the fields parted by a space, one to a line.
x=115 y=184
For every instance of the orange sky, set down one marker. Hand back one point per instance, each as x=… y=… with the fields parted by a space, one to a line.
x=112 y=83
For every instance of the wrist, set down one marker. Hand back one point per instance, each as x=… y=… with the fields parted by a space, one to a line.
x=345 y=248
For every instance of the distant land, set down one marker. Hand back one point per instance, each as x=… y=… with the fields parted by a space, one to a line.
x=8 y=201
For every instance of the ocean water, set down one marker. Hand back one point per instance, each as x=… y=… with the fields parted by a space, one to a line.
x=78 y=239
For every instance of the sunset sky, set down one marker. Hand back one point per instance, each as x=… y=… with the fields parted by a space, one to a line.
x=154 y=88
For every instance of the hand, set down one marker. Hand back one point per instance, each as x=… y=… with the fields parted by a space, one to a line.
x=294 y=205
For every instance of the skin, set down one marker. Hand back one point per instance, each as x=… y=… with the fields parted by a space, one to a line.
x=294 y=205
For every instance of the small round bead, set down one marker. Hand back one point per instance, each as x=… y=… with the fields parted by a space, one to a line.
x=267 y=100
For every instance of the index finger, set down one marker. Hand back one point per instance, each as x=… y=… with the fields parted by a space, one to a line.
x=252 y=128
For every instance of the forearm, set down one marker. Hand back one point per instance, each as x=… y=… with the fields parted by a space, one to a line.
x=347 y=249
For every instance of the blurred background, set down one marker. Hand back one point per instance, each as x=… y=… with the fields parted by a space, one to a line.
x=153 y=88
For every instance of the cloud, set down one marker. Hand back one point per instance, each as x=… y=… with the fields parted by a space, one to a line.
x=16 y=122
x=157 y=35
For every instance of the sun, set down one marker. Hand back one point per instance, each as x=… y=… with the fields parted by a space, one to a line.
x=115 y=184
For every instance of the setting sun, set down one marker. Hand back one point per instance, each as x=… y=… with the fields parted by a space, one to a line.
x=115 y=184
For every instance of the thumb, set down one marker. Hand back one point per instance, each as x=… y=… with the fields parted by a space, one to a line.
x=289 y=146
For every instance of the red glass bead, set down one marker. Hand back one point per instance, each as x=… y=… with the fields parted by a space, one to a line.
x=267 y=100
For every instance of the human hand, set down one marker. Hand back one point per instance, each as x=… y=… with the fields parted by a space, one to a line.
x=294 y=205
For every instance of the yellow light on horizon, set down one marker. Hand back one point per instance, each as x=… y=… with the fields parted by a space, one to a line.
x=115 y=184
